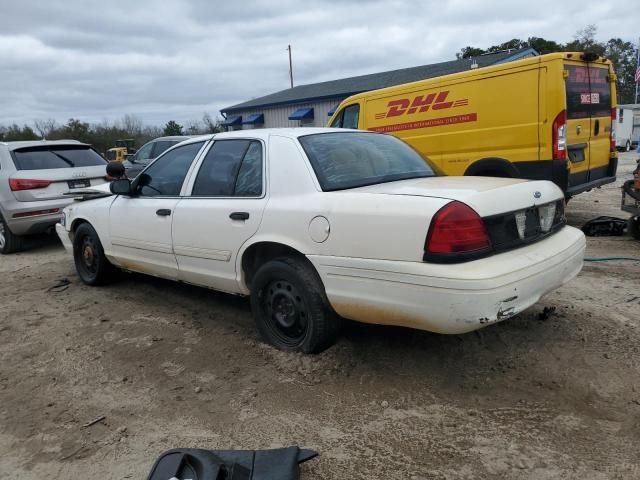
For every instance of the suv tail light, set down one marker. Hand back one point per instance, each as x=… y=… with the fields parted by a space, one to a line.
x=457 y=233
x=612 y=132
x=17 y=184
x=559 y=136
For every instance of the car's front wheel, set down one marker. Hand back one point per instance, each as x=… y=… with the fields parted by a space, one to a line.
x=290 y=306
x=91 y=264
x=9 y=242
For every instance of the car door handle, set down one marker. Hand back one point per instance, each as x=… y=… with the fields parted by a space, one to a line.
x=239 y=216
x=163 y=212
x=596 y=128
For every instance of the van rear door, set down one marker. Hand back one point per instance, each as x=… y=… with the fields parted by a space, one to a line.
x=588 y=94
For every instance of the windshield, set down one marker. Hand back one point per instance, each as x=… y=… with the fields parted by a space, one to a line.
x=354 y=159
x=44 y=158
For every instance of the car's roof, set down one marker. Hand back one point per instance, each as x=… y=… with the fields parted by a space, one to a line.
x=39 y=143
x=171 y=137
x=264 y=133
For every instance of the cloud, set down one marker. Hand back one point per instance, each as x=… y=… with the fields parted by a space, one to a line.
x=175 y=60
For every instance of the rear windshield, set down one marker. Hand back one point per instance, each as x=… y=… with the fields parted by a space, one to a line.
x=588 y=92
x=43 y=158
x=352 y=159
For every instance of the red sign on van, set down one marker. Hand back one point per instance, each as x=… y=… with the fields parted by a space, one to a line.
x=420 y=103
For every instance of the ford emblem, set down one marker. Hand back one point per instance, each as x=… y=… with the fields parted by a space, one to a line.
x=537 y=195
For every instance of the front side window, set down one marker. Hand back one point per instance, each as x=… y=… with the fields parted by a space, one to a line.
x=232 y=168
x=161 y=146
x=166 y=175
x=144 y=153
x=354 y=159
x=64 y=156
x=347 y=118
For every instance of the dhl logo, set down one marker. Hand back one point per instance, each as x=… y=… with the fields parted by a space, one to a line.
x=421 y=103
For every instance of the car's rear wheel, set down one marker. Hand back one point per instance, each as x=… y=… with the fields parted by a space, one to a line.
x=9 y=242
x=91 y=264
x=290 y=307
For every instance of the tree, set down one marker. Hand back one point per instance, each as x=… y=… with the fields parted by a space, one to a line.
x=469 y=52
x=15 y=132
x=543 y=46
x=585 y=41
x=44 y=127
x=623 y=55
x=211 y=125
x=132 y=125
x=172 y=128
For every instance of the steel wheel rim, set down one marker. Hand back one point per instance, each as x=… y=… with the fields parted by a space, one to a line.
x=88 y=256
x=286 y=312
x=3 y=239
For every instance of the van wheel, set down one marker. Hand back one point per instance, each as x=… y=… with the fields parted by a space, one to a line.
x=91 y=264
x=9 y=242
x=627 y=147
x=290 y=307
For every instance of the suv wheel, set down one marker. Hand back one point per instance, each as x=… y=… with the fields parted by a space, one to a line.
x=290 y=307
x=92 y=266
x=9 y=242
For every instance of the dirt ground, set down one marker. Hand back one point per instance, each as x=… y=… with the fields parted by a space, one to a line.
x=171 y=365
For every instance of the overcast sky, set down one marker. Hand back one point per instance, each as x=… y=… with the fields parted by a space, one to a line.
x=163 y=60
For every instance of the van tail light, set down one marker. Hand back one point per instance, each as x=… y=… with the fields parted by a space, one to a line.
x=17 y=184
x=559 y=136
x=612 y=132
x=457 y=234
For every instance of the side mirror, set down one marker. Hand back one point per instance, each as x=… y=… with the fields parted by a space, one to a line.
x=115 y=169
x=121 y=186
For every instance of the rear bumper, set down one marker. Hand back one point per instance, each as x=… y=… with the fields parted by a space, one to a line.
x=36 y=223
x=451 y=299
x=584 y=187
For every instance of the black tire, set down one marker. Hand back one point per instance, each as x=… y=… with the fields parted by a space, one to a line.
x=92 y=266
x=290 y=307
x=9 y=242
x=634 y=227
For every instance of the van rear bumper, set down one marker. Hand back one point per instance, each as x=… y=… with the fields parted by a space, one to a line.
x=583 y=187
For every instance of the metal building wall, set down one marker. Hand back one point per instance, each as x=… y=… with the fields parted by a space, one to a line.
x=278 y=117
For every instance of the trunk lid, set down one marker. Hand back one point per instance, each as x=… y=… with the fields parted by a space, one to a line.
x=488 y=196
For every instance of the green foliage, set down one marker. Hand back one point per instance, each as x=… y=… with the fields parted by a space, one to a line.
x=622 y=53
x=15 y=133
x=173 y=128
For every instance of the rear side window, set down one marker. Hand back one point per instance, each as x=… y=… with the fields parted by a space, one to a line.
x=39 y=158
x=588 y=92
x=231 y=168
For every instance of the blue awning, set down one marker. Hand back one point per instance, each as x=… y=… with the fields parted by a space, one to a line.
x=333 y=110
x=302 y=114
x=255 y=119
x=233 y=121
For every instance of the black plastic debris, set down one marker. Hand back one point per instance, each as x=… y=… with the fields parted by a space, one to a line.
x=197 y=464
x=605 y=226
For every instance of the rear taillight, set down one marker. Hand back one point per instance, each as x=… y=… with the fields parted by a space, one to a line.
x=457 y=233
x=612 y=132
x=17 y=184
x=559 y=136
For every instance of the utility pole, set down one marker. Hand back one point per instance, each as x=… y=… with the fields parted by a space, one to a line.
x=637 y=74
x=291 y=67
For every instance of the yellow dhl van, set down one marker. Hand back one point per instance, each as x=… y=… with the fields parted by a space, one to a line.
x=548 y=117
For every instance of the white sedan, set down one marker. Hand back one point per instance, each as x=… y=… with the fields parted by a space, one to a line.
x=316 y=225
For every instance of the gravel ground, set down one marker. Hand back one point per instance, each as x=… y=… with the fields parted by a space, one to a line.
x=169 y=365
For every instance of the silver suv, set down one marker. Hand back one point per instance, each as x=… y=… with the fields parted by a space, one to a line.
x=34 y=178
